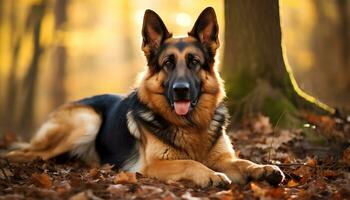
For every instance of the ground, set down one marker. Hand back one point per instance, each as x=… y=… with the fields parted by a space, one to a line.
x=312 y=171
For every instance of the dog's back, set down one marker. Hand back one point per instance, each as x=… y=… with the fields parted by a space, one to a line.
x=92 y=129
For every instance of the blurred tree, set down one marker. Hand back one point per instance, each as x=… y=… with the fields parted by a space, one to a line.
x=58 y=94
x=330 y=45
x=16 y=40
x=257 y=77
x=36 y=16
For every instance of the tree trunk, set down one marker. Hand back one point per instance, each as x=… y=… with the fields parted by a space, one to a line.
x=11 y=90
x=257 y=77
x=343 y=10
x=58 y=94
x=31 y=78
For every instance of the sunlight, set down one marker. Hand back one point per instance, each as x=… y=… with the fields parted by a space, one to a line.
x=183 y=19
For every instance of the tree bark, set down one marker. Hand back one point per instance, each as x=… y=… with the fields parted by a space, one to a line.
x=257 y=77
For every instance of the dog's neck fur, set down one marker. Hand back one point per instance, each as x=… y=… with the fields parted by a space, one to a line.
x=173 y=135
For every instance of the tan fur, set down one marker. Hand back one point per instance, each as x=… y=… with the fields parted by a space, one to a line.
x=66 y=130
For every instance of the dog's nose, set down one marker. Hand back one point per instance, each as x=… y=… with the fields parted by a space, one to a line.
x=181 y=87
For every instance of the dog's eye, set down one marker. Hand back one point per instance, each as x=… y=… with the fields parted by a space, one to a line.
x=194 y=62
x=168 y=64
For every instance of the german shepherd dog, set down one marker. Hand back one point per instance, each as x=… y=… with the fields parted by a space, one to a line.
x=172 y=127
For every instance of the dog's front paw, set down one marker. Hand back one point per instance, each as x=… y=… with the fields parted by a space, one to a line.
x=272 y=174
x=212 y=179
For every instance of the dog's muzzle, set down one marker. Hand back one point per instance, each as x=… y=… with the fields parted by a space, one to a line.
x=182 y=97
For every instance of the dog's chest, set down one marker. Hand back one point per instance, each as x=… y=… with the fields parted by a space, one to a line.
x=166 y=141
x=186 y=145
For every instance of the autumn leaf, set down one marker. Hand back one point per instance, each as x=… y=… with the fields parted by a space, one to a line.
x=292 y=183
x=257 y=190
x=346 y=156
x=93 y=173
x=329 y=173
x=125 y=177
x=42 y=180
x=276 y=193
x=223 y=195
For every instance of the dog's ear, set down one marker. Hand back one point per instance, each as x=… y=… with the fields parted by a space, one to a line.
x=154 y=32
x=206 y=30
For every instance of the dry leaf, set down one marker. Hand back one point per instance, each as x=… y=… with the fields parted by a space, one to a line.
x=223 y=195
x=311 y=162
x=117 y=189
x=258 y=191
x=63 y=187
x=346 y=156
x=125 y=177
x=276 y=193
x=147 y=190
x=329 y=173
x=42 y=180
x=275 y=142
x=292 y=183
x=93 y=173
x=261 y=124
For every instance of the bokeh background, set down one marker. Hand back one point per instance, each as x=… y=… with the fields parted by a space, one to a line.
x=52 y=51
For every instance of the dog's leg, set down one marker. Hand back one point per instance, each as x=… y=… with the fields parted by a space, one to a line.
x=70 y=129
x=185 y=170
x=238 y=170
x=241 y=171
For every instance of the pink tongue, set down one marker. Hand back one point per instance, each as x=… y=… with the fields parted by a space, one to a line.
x=182 y=107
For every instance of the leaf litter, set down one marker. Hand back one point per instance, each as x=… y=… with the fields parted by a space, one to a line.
x=312 y=171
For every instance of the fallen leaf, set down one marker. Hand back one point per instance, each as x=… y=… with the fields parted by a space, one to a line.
x=276 y=193
x=329 y=173
x=311 y=162
x=117 y=189
x=75 y=181
x=125 y=177
x=257 y=190
x=147 y=190
x=261 y=124
x=223 y=195
x=275 y=142
x=42 y=180
x=63 y=187
x=292 y=183
x=346 y=156
x=93 y=173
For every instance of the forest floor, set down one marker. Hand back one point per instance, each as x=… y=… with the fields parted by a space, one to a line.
x=312 y=171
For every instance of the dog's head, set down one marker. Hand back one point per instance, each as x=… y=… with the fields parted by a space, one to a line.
x=181 y=77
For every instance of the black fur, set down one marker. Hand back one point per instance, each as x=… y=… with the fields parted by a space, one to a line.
x=116 y=145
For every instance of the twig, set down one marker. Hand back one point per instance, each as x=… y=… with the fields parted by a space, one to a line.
x=295 y=164
x=274 y=133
